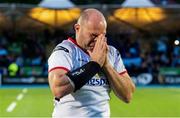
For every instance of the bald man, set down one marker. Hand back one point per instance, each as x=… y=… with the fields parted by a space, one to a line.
x=82 y=71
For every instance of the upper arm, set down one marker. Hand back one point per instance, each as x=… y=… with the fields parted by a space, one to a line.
x=116 y=60
x=120 y=68
x=55 y=77
x=119 y=65
x=59 y=63
x=59 y=83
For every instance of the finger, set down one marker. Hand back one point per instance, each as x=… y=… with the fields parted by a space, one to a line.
x=98 y=41
x=89 y=52
x=102 y=40
x=107 y=46
x=105 y=39
x=104 y=48
x=99 y=37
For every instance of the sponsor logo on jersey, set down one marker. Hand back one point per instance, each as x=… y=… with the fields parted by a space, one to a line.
x=97 y=82
x=61 y=48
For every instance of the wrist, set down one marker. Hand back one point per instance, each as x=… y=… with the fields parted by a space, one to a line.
x=106 y=65
x=97 y=62
x=82 y=75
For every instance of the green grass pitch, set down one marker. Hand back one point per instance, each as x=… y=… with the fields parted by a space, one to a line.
x=147 y=102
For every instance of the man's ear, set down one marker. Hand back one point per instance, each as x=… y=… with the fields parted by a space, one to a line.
x=76 y=27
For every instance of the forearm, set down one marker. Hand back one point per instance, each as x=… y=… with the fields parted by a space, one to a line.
x=65 y=83
x=60 y=91
x=121 y=85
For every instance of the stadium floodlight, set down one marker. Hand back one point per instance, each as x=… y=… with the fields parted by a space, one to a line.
x=56 y=13
x=138 y=14
x=145 y=17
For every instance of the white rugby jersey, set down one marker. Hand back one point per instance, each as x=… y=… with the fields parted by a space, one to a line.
x=92 y=100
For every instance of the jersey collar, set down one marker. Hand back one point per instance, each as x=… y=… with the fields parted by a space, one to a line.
x=74 y=41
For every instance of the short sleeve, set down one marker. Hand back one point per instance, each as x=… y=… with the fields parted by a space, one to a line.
x=118 y=63
x=60 y=59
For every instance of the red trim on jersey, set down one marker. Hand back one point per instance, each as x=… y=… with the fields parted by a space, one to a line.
x=121 y=73
x=63 y=68
x=74 y=41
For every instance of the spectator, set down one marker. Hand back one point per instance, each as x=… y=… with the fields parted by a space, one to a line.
x=13 y=69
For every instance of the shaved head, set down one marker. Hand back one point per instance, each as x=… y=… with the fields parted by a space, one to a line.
x=92 y=15
x=89 y=26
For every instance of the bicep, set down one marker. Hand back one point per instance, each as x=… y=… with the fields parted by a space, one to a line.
x=59 y=83
x=55 y=77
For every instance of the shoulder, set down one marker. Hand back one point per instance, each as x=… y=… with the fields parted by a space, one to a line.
x=113 y=51
x=111 y=48
x=63 y=49
x=65 y=46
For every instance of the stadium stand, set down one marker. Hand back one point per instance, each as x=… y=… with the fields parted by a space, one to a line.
x=29 y=50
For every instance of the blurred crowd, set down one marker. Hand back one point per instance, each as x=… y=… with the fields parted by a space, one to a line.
x=22 y=50
x=147 y=54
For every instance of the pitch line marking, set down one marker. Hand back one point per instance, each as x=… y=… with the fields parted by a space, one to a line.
x=11 y=107
x=20 y=96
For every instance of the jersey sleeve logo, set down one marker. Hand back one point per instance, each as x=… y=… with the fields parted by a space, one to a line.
x=61 y=48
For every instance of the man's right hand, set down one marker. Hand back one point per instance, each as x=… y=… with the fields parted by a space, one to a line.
x=100 y=50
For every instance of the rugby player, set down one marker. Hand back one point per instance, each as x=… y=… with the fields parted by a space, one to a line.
x=83 y=70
